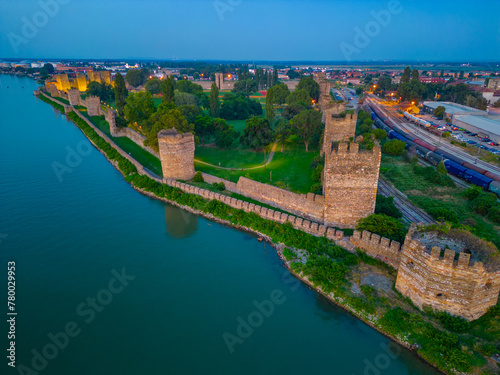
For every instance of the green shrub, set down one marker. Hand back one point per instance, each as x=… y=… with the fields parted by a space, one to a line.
x=379 y=134
x=198 y=177
x=221 y=186
x=484 y=203
x=384 y=226
x=386 y=206
x=394 y=147
x=444 y=214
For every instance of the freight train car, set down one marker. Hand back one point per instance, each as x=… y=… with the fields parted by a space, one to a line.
x=477 y=179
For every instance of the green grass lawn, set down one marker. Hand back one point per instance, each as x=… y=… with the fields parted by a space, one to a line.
x=292 y=168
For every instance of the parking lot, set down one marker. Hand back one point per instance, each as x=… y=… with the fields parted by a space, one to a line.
x=470 y=138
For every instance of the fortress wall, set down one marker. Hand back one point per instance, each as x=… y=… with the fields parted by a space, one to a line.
x=457 y=286
x=350 y=184
x=378 y=247
x=230 y=186
x=309 y=206
x=307 y=226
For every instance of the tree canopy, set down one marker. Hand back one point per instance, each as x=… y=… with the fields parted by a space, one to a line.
x=308 y=84
x=257 y=133
x=307 y=125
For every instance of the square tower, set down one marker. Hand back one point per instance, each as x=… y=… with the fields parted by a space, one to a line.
x=219 y=80
x=74 y=97
x=350 y=183
x=93 y=106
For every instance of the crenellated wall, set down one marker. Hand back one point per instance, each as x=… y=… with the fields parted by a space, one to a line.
x=298 y=223
x=378 y=247
x=459 y=286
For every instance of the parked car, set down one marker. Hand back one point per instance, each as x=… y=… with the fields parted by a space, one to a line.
x=473 y=134
x=484 y=139
x=491 y=143
x=467 y=132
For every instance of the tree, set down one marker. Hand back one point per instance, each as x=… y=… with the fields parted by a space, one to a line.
x=224 y=133
x=292 y=74
x=139 y=107
x=461 y=75
x=153 y=86
x=257 y=133
x=384 y=226
x=379 y=134
x=203 y=127
x=183 y=98
x=189 y=87
x=167 y=89
x=49 y=68
x=270 y=110
x=280 y=92
x=282 y=132
x=102 y=90
x=245 y=87
x=165 y=118
x=405 y=78
x=308 y=84
x=439 y=112
x=190 y=112
x=214 y=100
x=415 y=75
x=394 y=147
x=121 y=93
x=239 y=107
x=441 y=74
x=135 y=77
x=307 y=124
x=386 y=206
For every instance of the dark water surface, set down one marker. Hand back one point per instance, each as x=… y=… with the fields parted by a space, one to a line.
x=184 y=284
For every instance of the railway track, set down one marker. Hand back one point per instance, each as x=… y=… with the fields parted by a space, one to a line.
x=410 y=212
x=412 y=129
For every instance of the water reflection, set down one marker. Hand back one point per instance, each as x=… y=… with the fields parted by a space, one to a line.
x=180 y=223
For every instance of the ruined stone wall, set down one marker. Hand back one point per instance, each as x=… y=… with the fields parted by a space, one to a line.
x=350 y=183
x=378 y=247
x=93 y=104
x=460 y=287
x=176 y=154
x=74 y=97
x=309 y=206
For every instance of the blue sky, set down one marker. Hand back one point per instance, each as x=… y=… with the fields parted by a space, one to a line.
x=316 y=30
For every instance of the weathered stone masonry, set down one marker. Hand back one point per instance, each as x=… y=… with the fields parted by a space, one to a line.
x=350 y=183
x=176 y=154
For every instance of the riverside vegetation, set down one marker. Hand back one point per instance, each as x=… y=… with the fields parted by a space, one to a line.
x=450 y=343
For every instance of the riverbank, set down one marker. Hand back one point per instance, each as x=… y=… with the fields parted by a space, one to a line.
x=278 y=235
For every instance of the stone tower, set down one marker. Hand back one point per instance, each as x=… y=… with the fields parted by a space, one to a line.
x=53 y=91
x=176 y=154
x=219 y=80
x=74 y=97
x=93 y=106
x=350 y=183
x=436 y=278
x=110 y=116
x=339 y=126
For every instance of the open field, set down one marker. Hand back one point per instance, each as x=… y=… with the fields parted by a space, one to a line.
x=290 y=169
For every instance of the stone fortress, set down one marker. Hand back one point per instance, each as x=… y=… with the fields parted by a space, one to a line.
x=448 y=280
x=63 y=82
x=452 y=279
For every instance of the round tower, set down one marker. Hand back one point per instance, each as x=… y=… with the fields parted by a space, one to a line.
x=176 y=154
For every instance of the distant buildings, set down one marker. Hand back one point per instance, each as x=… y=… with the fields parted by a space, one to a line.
x=494 y=83
x=469 y=118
